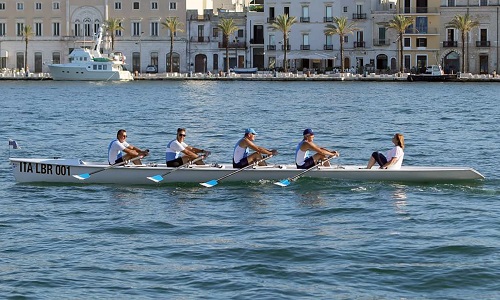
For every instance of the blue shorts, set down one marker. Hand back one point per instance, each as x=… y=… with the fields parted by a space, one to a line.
x=175 y=163
x=241 y=164
x=379 y=158
x=308 y=163
x=118 y=160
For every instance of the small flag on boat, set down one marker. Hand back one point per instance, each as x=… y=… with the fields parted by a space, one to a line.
x=14 y=144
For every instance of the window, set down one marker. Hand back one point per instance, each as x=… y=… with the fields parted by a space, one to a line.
x=38 y=29
x=20 y=60
x=2 y=5
x=154 y=58
x=483 y=3
x=136 y=28
x=215 y=32
x=136 y=5
x=76 y=29
x=305 y=14
x=173 y=6
x=56 y=57
x=328 y=14
x=118 y=32
x=421 y=24
x=19 y=29
x=406 y=43
x=154 y=5
x=305 y=42
x=55 y=5
x=345 y=8
x=216 y=61
x=38 y=6
x=118 y=5
x=56 y=29
x=154 y=28
x=421 y=42
x=2 y=29
x=450 y=34
x=20 y=6
x=451 y=2
x=97 y=24
x=240 y=33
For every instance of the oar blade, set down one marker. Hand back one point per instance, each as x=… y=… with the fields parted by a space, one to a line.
x=283 y=183
x=210 y=183
x=82 y=176
x=156 y=178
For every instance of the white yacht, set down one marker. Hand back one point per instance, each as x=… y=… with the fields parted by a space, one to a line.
x=89 y=64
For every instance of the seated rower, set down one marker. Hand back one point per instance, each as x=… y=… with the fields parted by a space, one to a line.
x=394 y=158
x=303 y=158
x=241 y=153
x=120 y=151
x=179 y=153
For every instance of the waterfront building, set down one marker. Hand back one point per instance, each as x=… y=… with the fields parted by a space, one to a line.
x=481 y=48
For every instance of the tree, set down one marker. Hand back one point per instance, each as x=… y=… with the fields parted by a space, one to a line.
x=400 y=23
x=112 y=25
x=341 y=27
x=465 y=24
x=227 y=27
x=27 y=35
x=173 y=25
x=284 y=24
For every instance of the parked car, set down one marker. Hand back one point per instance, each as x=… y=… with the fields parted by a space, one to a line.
x=151 y=69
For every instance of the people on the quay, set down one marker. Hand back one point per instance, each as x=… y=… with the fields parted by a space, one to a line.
x=303 y=157
x=394 y=157
x=120 y=151
x=179 y=153
x=241 y=153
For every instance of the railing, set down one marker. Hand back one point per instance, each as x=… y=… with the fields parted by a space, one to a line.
x=288 y=47
x=327 y=47
x=200 y=39
x=381 y=42
x=482 y=43
x=420 y=10
x=305 y=47
x=239 y=45
x=271 y=20
x=328 y=19
x=450 y=43
x=358 y=16
x=429 y=30
x=359 y=44
x=305 y=19
x=271 y=47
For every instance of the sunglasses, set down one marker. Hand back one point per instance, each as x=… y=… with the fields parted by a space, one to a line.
x=180 y=134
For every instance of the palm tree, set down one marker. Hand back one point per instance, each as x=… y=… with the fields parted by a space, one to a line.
x=173 y=25
x=400 y=23
x=112 y=25
x=27 y=34
x=465 y=24
x=227 y=27
x=341 y=27
x=284 y=24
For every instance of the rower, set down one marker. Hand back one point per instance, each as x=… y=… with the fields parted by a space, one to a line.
x=241 y=153
x=179 y=153
x=303 y=158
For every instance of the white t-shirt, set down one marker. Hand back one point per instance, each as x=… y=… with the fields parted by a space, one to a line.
x=399 y=154
x=115 y=150
x=174 y=149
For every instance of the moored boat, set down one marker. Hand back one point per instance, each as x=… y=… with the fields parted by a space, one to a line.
x=65 y=171
x=432 y=73
x=89 y=64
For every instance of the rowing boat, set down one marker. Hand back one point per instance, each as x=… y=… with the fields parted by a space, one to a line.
x=67 y=170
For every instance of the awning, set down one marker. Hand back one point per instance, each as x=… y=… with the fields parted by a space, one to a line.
x=305 y=55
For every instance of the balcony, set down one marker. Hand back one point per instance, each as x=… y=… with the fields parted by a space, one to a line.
x=271 y=47
x=271 y=20
x=235 y=45
x=359 y=44
x=482 y=43
x=200 y=39
x=447 y=44
x=358 y=16
x=381 y=42
x=305 y=47
x=428 y=30
x=288 y=47
x=328 y=19
x=327 y=47
x=421 y=10
x=305 y=19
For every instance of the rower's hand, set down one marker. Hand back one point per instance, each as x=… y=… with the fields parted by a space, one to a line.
x=274 y=152
x=145 y=152
x=206 y=153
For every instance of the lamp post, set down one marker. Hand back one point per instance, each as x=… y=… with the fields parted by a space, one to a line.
x=236 y=50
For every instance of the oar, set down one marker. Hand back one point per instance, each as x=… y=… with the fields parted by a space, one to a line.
x=87 y=175
x=286 y=182
x=214 y=182
x=158 y=178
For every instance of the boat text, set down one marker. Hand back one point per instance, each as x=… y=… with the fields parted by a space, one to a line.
x=46 y=169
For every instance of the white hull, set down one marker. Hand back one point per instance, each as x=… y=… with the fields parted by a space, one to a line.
x=62 y=171
x=82 y=72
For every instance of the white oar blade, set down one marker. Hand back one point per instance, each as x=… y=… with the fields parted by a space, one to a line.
x=210 y=183
x=82 y=176
x=156 y=178
x=284 y=182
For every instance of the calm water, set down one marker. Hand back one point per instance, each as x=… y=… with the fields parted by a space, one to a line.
x=317 y=239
